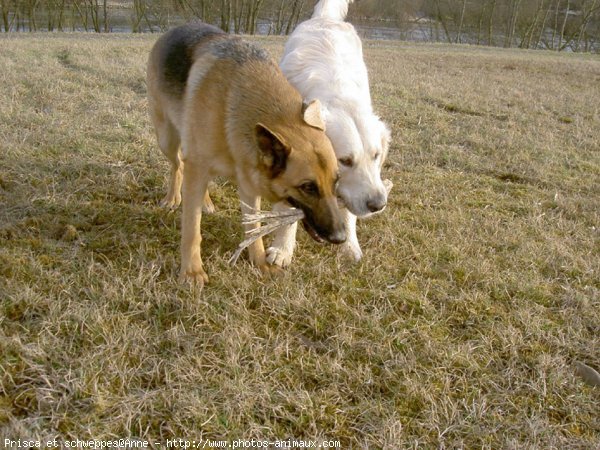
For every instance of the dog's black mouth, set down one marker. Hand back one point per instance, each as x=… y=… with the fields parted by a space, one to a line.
x=311 y=231
x=307 y=221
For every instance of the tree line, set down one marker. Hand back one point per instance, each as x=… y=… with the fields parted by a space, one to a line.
x=552 y=24
x=236 y=16
x=549 y=24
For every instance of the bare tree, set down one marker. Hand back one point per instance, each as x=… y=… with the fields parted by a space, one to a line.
x=244 y=15
x=588 y=10
x=293 y=18
x=4 y=10
x=443 y=20
x=279 y=21
x=461 y=21
x=225 y=15
x=256 y=6
x=531 y=26
x=31 y=6
x=491 y=22
x=512 y=22
x=562 y=28
x=480 y=22
x=540 y=38
x=555 y=27
x=140 y=12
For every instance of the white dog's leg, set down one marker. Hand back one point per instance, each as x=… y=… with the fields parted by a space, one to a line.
x=282 y=249
x=351 y=247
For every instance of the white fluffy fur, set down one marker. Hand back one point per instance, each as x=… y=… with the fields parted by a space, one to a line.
x=323 y=59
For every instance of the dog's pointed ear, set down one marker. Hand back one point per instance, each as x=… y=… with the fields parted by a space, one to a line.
x=273 y=150
x=386 y=137
x=311 y=112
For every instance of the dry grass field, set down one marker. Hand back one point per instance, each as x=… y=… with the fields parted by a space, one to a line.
x=478 y=291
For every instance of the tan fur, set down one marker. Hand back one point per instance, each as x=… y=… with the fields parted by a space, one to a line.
x=228 y=115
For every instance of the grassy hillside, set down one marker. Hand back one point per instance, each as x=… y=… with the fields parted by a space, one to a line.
x=478 y=291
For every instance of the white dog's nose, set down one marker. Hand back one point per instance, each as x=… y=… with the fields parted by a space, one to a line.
x=376 y=203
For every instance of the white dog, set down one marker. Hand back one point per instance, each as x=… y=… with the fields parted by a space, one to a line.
x=323 y=59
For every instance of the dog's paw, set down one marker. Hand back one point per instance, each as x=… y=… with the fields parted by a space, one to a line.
x=171 y=202
x=278 y=257
x=352 y=251
x=270 y=270
x=195 y=277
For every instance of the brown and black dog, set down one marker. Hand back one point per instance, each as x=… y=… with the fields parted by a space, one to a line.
x=228 y=105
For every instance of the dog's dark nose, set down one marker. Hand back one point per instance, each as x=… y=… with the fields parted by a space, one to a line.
x=376 y=203
x=337 y=237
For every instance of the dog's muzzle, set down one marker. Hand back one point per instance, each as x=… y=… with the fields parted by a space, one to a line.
x=331 y=230
x=337 y=236
x=377 y=203
x=373 y=204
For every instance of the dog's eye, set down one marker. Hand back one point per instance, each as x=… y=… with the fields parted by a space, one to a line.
x=348 y=161
x=376 y=156
x=309 y=188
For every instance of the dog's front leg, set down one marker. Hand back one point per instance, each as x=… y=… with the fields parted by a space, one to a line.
x=195 y=183
x=351 y=247
x=256 y=250
x=282 y=249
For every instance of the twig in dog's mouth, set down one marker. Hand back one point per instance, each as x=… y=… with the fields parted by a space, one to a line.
x=273 y=221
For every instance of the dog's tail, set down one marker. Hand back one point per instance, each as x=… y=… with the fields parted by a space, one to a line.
x=331 y=9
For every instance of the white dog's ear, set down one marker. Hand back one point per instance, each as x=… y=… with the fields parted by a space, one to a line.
x=311 y=112
x=386 y=137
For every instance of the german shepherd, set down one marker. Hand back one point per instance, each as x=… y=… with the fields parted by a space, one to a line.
x=225 y=101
